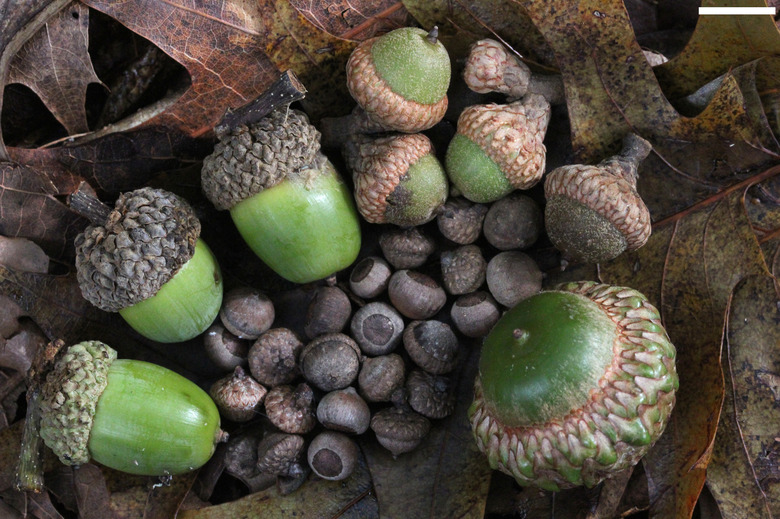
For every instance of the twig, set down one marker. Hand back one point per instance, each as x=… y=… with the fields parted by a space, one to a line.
x=85 y=202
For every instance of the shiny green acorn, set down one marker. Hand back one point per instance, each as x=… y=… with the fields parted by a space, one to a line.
x=574 y=385
x=128 y=415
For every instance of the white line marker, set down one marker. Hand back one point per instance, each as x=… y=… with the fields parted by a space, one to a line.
x=738 y=10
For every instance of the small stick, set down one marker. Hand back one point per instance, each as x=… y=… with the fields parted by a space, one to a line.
x=84 y=202
x=284 y=91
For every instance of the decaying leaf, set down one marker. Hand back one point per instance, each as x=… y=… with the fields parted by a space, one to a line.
x=744 y=475
x=55 y=64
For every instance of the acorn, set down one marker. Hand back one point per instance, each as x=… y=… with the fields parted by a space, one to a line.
x=399 y=429
x=463 y=269
x=460 y=220
x=398 y=179
x=475 y=314
x=238 y=396
x=406 y=248
x=400 y=79
x=128 y=415
x=594 y=213
x=490 y=67
x=574 y=385
x=247 y=312
x=369 y=277
x=513 y=222
x=498 y=148
x=512 y=276
x=286 y=198
x=415 y=295
x=333 y=455
x=146 y=261
x=377 y=328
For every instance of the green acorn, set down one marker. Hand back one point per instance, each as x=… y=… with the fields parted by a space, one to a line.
x=129 y=415
x=574 y=385
x=401 y=79
x=498 y=148
x=287 y=200
x=147 y=262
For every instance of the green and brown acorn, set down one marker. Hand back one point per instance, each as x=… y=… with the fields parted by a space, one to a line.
x=498 y=148
x=400 y=79
x=128 y=415
x=397 y=178
x=287 y=200
x=146 y=261
x=574 y=384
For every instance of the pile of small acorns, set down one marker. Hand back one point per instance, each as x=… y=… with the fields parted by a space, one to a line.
x=384 y=366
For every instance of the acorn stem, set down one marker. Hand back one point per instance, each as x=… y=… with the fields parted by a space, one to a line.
x=283 y=92
x=85 y=203
x=29 y=473
x=549 y=86
x=635 y=150
x=433 y=35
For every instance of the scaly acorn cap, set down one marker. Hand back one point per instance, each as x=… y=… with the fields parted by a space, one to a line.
x=490 y=68
x=594 y=213
x=381 y=166
x=248 y=160
x=69 y=398
x=146 y=239
x=381 y=103
x=512 y=136
x=579 y=424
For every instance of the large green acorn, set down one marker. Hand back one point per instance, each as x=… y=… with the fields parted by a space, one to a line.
x=574 y=385
x=401 y=79
x=498 y=148
x=129 y=415
x=286 y=198
x=147 y=262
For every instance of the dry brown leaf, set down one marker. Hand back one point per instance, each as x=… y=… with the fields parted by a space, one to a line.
x=55 y=64
x=744 y=474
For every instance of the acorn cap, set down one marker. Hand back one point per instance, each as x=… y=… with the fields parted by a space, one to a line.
x=148 y=236
x=490 y=68
x=386 y=107
x=593 y=213
x=280 y=454
x=380 y=167
x=69 y=399
x=250 y=159
x=399 y=429
x=511 y=135
x=570 y=401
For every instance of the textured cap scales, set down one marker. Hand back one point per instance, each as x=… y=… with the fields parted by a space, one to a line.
x=148 y=236
x=69 y=398
x=250 y=159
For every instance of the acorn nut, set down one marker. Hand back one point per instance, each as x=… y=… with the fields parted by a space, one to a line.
x=147 y=262
x=399 y=429
x=460 y=220
x=398 y=179
x=246 y=312
x=415 y=295
x=498 y=148
x=594 y=213
x=585 y=373
x=432 y=345
x=475 y=314
x=430 y=395
x=377 y=328
x=513 y=222
x=224 y=349
x=273 y=358
x=369 y=277
x=291 y=409
x=401 y=79
x=287 y=200
x=331 y=361
x=380 y=377
x=406 y=248
x=281 y=454
x=332 y=455
x=463 y=269
x=512 y=276
x=128 y=415
x=328 y=312
x=343 y=410
x=238 y=396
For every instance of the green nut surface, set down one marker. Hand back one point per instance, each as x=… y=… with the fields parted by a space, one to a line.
x=419 y=194
x=304 y=228
x=544 y=356
x=412 y=66
x=473 y=173
x=152 y=421
x=185 y=306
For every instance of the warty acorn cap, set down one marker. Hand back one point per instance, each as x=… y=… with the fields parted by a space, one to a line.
x=252 y=158
x=69 y=399
x=148 y=236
